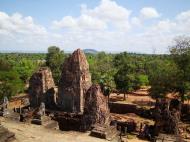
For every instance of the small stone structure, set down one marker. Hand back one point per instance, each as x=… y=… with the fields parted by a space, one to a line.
x=4 y=107
x=74 y=83
x=96 y=114
x=39 y=85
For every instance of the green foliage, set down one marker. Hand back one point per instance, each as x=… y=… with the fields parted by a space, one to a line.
x=172 y=75
x=142 y=79
x=162 y=78
x=10 y=83
x=101 y=68
x=4 y=65
x=15 y=70
x=25 y=69
x=54 y=59
x=131 y=74
x=125 y=81
x=180 y=53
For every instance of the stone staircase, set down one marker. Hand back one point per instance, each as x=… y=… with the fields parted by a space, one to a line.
x=104 y=132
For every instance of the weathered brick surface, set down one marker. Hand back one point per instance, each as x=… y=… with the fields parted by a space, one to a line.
x=96 y=109
x=39 y=84
x=75 y=81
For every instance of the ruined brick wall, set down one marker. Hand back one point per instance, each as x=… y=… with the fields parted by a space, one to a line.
x=96 y=109
x=39 y=83
x=75 y=81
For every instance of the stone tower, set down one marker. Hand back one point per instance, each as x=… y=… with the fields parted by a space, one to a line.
x=39 y=84
x=74 y=83
x=96 y=109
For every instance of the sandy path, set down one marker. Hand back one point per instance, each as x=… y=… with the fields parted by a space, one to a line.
x=33 y=133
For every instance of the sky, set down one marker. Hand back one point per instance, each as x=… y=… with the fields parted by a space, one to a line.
x=140 y=26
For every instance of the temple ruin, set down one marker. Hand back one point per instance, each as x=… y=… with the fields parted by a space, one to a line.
x=96 y=116
x=96 y=109
x=74 y=83
x=41 y=87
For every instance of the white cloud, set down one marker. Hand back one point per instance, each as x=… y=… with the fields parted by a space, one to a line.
x=17 y=24
x=20 y=33
x=183 y=16
x=149 y=12
x=145 y=14
x=108 y=10
x=105 y=14
x=66 y=22
x=179 y=25
x=183 y=22
x=108 y=27
x=88 y=22
x=136 y=21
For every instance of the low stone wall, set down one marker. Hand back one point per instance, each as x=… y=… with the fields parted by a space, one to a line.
x=130 y=108
x=122 y=108
x=69 y=122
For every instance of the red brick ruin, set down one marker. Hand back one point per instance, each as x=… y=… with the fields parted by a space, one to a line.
x=74 y=83
x=41 y=87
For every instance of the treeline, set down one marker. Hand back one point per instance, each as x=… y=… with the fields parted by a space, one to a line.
x=15 y=71
x=122 y=72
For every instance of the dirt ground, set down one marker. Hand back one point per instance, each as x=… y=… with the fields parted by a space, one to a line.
x=26 y=132
x=34 y=133
x=140 y=97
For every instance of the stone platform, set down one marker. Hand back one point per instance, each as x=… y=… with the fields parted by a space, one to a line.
x=105 y=132
x=69 y=121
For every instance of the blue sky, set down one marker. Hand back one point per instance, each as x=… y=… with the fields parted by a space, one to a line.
x=142 y=26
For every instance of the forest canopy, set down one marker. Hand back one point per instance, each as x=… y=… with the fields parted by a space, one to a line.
x=123 y=72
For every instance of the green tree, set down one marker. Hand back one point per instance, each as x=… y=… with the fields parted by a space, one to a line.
x=101 y=68
x=10 y=84
x=163 y=77
x=25 y=68
x=180 y=53
x=55 y=58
